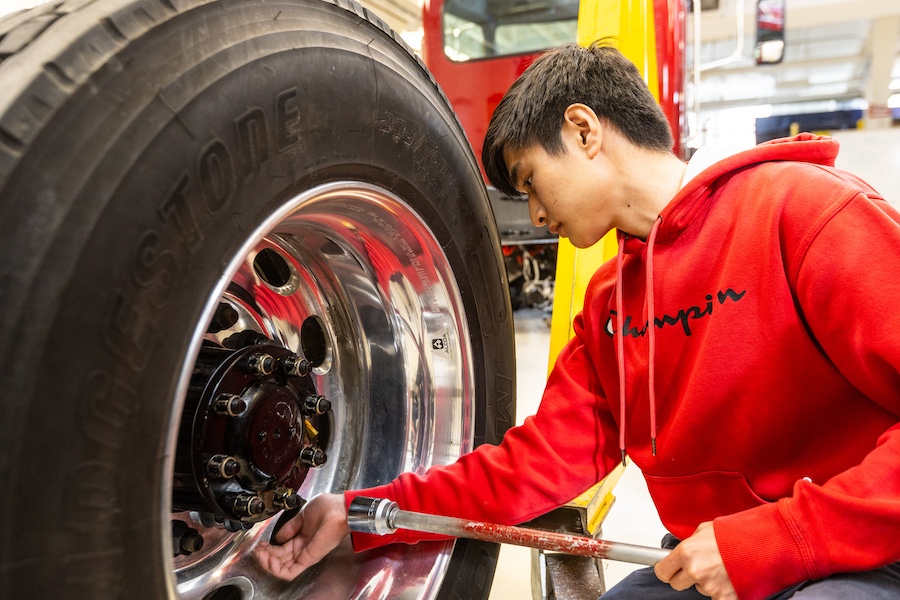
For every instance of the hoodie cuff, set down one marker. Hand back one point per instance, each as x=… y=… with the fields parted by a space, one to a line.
x=761 y=553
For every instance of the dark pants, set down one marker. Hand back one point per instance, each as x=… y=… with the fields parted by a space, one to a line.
x=880 y=584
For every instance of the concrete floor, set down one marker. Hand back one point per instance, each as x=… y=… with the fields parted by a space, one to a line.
x=632 y=519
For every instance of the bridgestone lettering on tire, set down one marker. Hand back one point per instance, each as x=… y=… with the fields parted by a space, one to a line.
x=209 y=212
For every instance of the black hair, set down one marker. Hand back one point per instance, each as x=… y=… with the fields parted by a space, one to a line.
x=532 y=110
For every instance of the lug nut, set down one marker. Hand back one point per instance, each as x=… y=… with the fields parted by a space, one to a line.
x=222 y=466
x=247 y=505
x=229 y=405
x=315 y=405
x=313 y=456
x=185 y=539
x=285 y=498
x=261 y=363
x=296 y=366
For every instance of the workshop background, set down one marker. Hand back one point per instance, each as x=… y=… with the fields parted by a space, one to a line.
x=841 y=55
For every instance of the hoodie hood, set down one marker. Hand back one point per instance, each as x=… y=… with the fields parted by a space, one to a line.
x=690 y=202
x=684 y=209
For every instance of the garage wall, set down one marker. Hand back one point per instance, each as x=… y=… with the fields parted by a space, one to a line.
x=874 y=155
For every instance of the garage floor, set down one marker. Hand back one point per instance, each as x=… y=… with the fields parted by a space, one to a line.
x=633 y=518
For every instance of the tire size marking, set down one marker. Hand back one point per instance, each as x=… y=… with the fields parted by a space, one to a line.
x=429 y=163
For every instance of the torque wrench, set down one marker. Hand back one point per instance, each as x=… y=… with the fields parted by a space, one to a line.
x=380 y=516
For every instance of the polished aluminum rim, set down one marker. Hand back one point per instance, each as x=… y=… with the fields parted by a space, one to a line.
x=396 y=366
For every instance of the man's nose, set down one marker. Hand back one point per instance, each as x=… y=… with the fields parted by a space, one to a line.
x=536 y=212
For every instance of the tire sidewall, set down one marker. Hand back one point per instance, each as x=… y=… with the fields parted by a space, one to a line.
x=143 y=245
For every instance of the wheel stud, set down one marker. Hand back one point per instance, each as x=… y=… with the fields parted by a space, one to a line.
x=315 y=405
x=261 y=363
x=222 y=466
x=247 y=505
x=313 y=456
x=229 y=405
x=296 y=366
x=185 y=539
x=285 y=498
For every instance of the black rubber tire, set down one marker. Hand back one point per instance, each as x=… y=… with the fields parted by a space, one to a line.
x=139 y=140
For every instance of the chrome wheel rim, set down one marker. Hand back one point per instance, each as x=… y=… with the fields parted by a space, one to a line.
x=392 y=353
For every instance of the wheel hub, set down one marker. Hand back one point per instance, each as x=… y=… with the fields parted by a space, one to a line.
x=272 y=436
x=348 y=277
x=252 y=428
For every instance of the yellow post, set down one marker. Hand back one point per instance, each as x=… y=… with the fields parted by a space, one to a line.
x=629 y=24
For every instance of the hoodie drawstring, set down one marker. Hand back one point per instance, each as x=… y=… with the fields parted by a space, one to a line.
x=620 y=346
x=651 y=330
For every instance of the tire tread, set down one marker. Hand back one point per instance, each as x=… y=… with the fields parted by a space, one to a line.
x=124 y=20
x=19 y=37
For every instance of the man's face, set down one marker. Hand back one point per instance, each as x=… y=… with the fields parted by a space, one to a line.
x=565 y=192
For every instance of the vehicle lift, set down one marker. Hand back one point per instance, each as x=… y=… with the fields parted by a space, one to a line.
x=558 y=575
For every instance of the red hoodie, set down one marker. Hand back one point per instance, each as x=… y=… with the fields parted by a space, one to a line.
x=776 y=393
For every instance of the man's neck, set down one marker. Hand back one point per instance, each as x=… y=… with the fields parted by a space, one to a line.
x=651 y=181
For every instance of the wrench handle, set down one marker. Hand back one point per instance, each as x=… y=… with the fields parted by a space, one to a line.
x=381 y=517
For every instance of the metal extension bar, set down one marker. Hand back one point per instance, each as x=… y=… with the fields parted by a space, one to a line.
x=382 y=517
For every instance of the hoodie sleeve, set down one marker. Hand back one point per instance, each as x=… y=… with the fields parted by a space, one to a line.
x=522 y=477
x=845 y=268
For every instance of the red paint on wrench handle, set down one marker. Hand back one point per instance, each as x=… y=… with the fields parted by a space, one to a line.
x=536 y=538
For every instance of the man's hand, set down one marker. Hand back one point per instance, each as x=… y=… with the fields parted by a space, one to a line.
x=697 y=562
x=314 y=532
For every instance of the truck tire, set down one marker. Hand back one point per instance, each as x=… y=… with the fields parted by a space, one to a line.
x=246 y=256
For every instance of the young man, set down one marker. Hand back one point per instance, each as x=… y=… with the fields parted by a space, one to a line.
x=743 y=349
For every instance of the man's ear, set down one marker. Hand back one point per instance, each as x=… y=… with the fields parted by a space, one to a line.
x=582 y=123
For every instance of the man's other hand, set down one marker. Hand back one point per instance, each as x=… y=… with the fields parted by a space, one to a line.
x=305 y=540
x=697 y=562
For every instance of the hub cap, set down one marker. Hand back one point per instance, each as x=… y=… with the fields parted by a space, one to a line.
x=253 y=426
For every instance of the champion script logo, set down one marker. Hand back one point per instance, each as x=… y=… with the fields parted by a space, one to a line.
x=683 y=317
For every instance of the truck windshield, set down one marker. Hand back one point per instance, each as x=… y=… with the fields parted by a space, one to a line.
x=487 y=28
